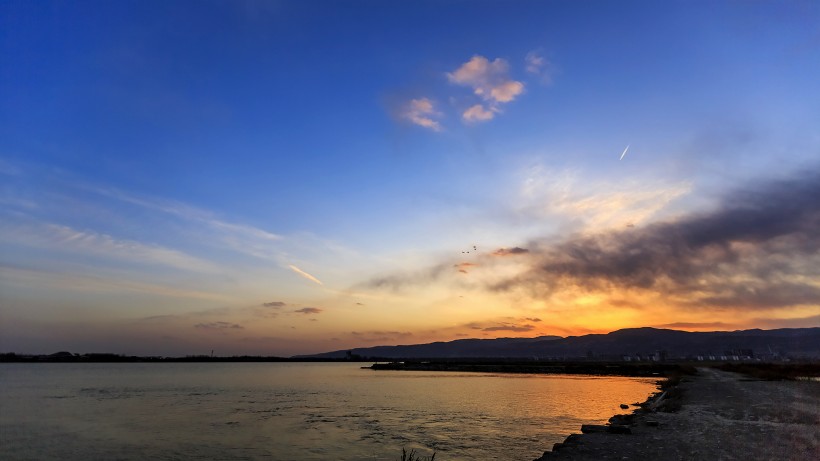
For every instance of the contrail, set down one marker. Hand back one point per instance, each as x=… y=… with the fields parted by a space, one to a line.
x=305 y=274
x=624 y=152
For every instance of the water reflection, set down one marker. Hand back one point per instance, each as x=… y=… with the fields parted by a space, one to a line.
x=291 y=411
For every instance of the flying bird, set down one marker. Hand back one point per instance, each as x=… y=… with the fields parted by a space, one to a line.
x=624 y=152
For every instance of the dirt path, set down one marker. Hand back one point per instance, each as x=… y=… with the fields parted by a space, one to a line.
x=724 y=416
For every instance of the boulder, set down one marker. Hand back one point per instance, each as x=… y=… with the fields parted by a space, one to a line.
x=593 y=428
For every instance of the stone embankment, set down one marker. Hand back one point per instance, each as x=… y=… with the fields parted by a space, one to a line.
x=712 y=415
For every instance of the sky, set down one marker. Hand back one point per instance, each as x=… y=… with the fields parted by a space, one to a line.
x=294 y=177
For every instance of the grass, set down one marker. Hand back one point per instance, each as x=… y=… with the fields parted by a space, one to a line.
x=412 y=456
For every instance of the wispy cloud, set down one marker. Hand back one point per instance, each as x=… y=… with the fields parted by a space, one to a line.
x=219 y=326
x=536 y=64
x=45 y=279
x=305 y=274
x=595 y=205
x=489 y=80
x=398 y=281
x=697 y=325
x=308 y=310
x=510 y=251
x=381 y=336
x=799 y=322
x=241 y=238
x=422 y=112
x=464 y=267
x=513 y=328
x=274 y=304
x=65 y=238
x=512 y=324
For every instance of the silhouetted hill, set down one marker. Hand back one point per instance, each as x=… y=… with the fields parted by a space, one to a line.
x=460 y=348
x=637 y=343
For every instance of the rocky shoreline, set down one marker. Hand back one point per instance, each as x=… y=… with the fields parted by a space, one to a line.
x=712 y=414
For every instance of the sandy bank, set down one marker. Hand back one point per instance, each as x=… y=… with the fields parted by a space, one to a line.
x=723 y=416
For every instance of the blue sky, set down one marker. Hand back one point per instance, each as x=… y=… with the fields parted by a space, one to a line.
x=169 y=168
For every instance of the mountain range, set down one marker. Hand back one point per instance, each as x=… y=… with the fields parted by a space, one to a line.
x=635 y=343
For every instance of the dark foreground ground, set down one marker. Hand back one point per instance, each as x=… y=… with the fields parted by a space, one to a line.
x=720 y=416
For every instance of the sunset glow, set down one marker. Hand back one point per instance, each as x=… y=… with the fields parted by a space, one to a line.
x=280 y=178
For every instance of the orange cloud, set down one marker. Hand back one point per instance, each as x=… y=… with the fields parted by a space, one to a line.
x=421 y=112
x=477 y=113
x=464 y=267
x=490 y=80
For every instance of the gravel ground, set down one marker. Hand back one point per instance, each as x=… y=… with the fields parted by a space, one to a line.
x=723 y=416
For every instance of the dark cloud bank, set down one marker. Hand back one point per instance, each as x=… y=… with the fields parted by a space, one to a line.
x=747 y=253
x=758 y=249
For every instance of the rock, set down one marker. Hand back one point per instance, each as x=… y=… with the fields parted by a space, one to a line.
x=573 y=439
x=622 y=419
x=624 y=406
x=651 y=423
x=593 y=428
x=618 y=429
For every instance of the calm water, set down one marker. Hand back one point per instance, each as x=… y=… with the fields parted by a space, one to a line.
x=292 y=411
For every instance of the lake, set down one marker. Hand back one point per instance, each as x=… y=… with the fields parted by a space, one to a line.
x=293 y=411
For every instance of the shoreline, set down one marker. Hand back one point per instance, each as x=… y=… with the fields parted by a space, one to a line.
x=636 y=370
x=713 y=414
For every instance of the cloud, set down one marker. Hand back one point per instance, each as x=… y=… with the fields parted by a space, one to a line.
x=308 y=310
x=399 y=281
x=73 y=281
x=510 y=251
x=506 y=91
x=535 y=62
x=759 y=249
x=305 y=274
x=489 y=80
x=274 y=304
x=65 y=238
x=503 y=324
x=187 y=212
x=756 y=250
x=422 y=112
x=538 y=65
x=533 y=319
x=513 y=328
x=464 y=267
x=219 y=326
x=696 y=325
x=381 y=336
x=802 y=322
x=595 y=205
x=477 y=113
x=241 y=238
